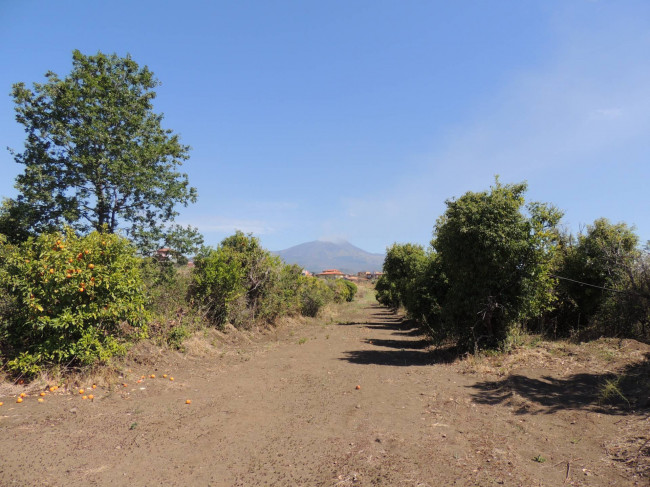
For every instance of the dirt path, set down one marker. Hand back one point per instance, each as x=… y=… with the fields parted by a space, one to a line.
x=287 y=412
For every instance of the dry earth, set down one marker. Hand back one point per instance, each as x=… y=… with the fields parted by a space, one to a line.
x=283 y=409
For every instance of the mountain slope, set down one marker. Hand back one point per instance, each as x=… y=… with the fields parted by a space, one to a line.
x=317 y=256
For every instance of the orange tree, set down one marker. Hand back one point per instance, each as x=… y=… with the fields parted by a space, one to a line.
x=76 y=300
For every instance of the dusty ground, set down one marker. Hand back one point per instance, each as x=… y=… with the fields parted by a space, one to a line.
x=283 y=409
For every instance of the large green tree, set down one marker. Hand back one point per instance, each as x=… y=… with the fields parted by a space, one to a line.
x=96 y=154
x=497 y=263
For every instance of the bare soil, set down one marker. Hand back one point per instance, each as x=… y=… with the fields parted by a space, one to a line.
x=283 y=408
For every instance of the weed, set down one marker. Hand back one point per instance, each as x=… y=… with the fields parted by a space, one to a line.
x=539 y=459
x=302 y=340
x=133 y=426
x=177 y=336
x=610 y=389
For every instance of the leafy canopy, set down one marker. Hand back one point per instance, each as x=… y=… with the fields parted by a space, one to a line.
x=96 y=154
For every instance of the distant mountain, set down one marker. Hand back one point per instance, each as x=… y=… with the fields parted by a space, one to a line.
x=317 y=256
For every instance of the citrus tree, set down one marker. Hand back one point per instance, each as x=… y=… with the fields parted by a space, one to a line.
x=76 y=300
x=496 y=260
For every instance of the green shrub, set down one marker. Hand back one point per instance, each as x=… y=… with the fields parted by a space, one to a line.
x=242 y=283
x=352 y=290
x=76 y=299
x=314 y=294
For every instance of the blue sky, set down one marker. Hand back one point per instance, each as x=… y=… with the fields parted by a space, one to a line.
x=356 y=120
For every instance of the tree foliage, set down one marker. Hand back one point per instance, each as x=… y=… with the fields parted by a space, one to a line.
x=96 y=155
x=74 y=299
x=487 y=272
x=607 y=281
x=496 y=261
x=242 y=283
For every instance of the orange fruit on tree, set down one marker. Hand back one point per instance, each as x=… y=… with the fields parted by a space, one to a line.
x=51 y=271
x=91 y=266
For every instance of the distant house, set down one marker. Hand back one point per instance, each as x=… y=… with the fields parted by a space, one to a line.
x=370 y=275
x=331 y=274
x=164 y=254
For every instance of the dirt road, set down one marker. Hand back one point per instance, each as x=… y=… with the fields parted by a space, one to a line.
x=285 y=410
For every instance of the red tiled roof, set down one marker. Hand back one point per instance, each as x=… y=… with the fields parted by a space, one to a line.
x=330 y=272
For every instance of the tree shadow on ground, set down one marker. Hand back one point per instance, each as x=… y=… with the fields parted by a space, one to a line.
x=627 y=392
x=401 y=344
x=408 y=352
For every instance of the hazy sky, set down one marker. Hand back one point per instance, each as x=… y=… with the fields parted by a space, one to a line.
x=357 y=119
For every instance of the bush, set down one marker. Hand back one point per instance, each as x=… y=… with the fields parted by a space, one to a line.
x=76 y=299
x=606 y=256
x=352 y=290
x=314 y=294
x=488 y=271
x=496 y=262
x=241 y=283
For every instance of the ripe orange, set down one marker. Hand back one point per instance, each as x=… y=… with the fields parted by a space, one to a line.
x=124 y=385
x=22 y=394
x=81 y=289
x=40 y=399
x=358 y=387
x=84 y=397
x=71 y=260
x=91 y=266
x=19 y=400
x=142 y=377
x=153 y=376
x=42 y=394
x=91 y=397
x=52 y=389
x=51 y=271
x=1 y=403
x=188 y=401
x=171 y=378
x=164 y=376
x=81 y=391
x=94 y=386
